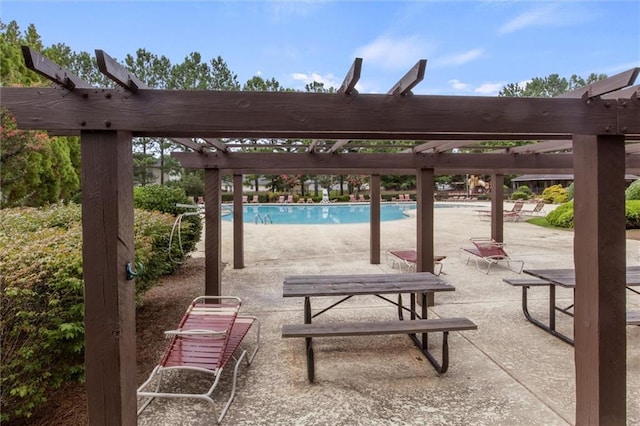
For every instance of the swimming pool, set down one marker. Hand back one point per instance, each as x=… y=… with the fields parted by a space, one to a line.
x=317 y=214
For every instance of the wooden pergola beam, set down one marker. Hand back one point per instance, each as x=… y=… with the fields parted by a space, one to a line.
x=315 y=115
x=410 y=80
x=371 y=161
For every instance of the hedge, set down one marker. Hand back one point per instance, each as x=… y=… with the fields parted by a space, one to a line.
x=562 y=216
x=42 y=305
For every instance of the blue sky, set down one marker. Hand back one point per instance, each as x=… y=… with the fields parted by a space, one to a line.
x=472 y=47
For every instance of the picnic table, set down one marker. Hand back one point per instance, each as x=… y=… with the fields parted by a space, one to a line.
x=565 y=278
x=381 y=285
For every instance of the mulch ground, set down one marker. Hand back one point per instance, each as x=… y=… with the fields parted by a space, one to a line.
x=161 y=309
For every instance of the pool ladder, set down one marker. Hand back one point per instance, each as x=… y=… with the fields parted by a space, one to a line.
x=266 y=220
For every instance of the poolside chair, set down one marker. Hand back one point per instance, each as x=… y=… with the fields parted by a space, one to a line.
x=361 y=198
x=489 y=251
x=255 y=199
x=310 y=200
x=352 y=198
x=289 y=199
x=536 y=211
x=281 y=199
x=245 y=199
x=208 y=336
x=408 y=258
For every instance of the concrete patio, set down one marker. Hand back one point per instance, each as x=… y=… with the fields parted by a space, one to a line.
x=508 y=372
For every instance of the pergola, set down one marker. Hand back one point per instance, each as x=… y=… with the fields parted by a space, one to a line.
x=592 y=132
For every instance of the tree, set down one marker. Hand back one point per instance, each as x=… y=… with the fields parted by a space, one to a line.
x=550 y=86
x=35 y=169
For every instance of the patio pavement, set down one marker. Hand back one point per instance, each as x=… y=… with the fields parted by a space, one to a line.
x=507 y=372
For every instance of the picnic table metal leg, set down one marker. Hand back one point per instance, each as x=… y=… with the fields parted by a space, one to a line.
x=424 y=316
x=412 y=301
x=308 y=341
x=552 y=307
x=551 y=328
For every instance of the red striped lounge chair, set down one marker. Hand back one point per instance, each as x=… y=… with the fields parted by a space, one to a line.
x=407 y=259
x=491 y=252
x=208 y=337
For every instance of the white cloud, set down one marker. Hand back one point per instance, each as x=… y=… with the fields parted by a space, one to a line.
x=458 y=59
x=559 y=14
x=488 y=89
x=329 y=80
x=394 y=53
x=541 y=16
x=458 y=85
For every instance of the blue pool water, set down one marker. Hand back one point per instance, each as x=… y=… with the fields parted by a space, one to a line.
x=308 y=214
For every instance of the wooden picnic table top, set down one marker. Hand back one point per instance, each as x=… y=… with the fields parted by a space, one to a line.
x=567 y=277
x=361 y=284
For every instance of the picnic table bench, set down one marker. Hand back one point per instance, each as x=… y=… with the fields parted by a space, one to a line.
x=421 y=283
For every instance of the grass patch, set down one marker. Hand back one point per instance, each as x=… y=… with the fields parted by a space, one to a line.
x=542 y=221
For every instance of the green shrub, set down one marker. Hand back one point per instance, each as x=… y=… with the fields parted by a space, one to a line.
x=632 y=213
x=562 y=216
x=525 y=189
x=633 y=191
x=517 y=195
x=164 y=199
x=570 y=191
x=554 y=194
x=42 y=328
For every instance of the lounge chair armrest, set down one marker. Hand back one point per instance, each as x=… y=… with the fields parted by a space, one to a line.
x=206 y=333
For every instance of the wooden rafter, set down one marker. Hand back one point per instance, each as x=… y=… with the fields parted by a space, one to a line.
x=410 y=80
x=546 y=146
x=312 y=146
x=336 y=146
x=220 y=146
x=605 y=86
x=632 y=92
x=119 y=74
x=428 y=145
x=189 y=143
x=447 y=146
x=52 y=71
x=348 y=86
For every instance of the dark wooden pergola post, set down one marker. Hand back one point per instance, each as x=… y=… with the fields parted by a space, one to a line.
x=600 y=261
x=374 y=204
x=424 y=224
x=109 y=297
x=424 y=220
x=213 y=232
x=497 y=207
x=238 y=224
